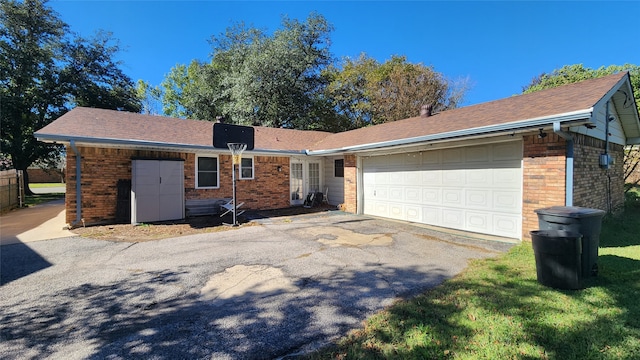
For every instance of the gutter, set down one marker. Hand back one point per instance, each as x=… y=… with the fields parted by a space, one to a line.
x=72 y=144
x=152 y=144
x=568 y=186
x=530 y=124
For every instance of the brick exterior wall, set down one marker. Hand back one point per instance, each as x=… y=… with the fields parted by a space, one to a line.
x=103 y=167
x=544 y=172
x=593 y=186
x=543 y=177
x=350 y=184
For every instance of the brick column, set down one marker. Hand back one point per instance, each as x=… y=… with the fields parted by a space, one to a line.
x=350 y=184
x=543 y=174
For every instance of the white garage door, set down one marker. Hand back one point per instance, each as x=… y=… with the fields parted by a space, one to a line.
x=475 y=188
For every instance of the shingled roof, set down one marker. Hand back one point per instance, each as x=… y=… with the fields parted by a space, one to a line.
x=89 y=125
x=576 y=99
x=570 y=104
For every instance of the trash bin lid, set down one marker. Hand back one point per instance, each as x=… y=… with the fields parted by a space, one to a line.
x=570 y=211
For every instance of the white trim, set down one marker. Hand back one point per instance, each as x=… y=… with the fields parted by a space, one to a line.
x=217 y=172
x=253 y=169
x=484 y=131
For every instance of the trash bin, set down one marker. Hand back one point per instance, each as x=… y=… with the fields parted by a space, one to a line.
x=585 y=221
x=558 y=256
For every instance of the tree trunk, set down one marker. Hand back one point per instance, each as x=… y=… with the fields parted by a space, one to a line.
x=25 y=176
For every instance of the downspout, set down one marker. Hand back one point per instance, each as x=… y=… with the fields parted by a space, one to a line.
x=72 y=144
x=568 y=186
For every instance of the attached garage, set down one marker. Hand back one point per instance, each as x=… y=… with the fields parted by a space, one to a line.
x=473 y=188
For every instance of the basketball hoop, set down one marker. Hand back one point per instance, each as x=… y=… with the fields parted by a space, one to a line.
x=236 y=151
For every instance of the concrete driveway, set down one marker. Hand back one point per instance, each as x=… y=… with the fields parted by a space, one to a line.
x=41 y=222
x=280 y=288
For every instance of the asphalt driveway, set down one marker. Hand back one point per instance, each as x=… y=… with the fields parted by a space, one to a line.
x=268 y=291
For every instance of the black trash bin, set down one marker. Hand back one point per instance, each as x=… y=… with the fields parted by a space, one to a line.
x=558 y=256
x=584 y=221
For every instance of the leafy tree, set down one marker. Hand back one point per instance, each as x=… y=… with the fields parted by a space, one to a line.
x=44 y=71
x=257 y=79
x=368 y=92
x=577 y=72
x=192 y=92
x=289 y=79
x=348 y=88
x=150 y=97
x=399 y=89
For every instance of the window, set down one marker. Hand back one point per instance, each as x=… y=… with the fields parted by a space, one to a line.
x=338 y=168
x=206 y=172
x=246 y=168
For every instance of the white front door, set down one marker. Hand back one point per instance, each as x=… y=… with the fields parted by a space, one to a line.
x=305 y=178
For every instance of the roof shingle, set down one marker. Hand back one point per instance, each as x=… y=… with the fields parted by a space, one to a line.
x=90 y=123
x=555 y=101
x=99 y=124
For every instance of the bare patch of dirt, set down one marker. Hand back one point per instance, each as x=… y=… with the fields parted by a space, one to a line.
x=188 y=226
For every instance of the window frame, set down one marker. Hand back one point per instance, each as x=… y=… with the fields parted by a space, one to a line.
x=197 y=177
x=253 y=168
x=335 y=168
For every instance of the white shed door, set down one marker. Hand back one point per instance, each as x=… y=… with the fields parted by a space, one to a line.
x=475 y=188
x=157 y=190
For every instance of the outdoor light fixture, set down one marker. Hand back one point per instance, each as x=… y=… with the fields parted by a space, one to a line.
x=542 y=135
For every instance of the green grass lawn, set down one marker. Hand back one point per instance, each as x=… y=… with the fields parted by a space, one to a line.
x=496 y=309
x=35 y=199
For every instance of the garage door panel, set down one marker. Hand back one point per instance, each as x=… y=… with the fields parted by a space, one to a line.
x=506 y=201
x=381 y=178
x=506 y=225
x=381 y=208
x=452 y=197
x=477 y=154
x=478 y=221
x=381 y=193
x=432 y=177
x=396 y=193
x=413 y=194
x=412 y=159
x=479 y=199
x=507 y=151
x=431 y=215
x=432 y=196
x=412 y=213
x=453 y=177
x=452 y=156
x=396 y=177
x=479 y=177
x=396 y=211
x=476 y=189
x=412 y=177
x=430 y=158
x=453 y=218
x=507 y=178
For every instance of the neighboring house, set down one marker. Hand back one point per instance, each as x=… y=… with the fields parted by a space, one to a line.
x=482 y=168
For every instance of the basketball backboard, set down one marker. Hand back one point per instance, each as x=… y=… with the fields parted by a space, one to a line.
x=224 y=134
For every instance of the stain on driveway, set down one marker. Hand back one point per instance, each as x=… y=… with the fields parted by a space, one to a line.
x=284 y=287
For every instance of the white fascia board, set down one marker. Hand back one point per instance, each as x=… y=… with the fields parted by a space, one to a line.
x=535 y=123
x=137 y=144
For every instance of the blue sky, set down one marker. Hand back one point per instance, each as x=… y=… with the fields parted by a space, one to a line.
x=499 y=46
